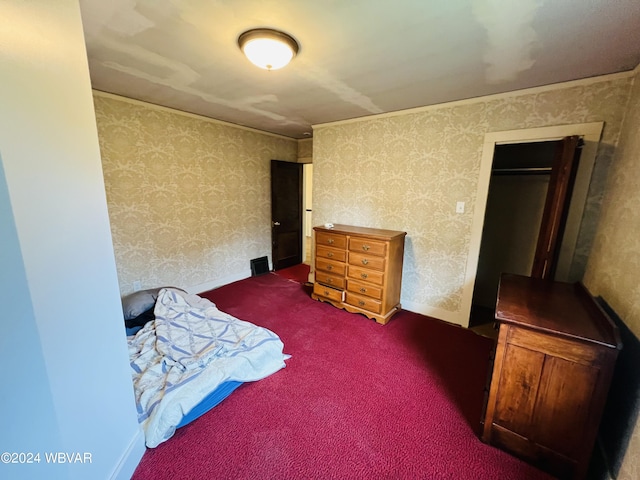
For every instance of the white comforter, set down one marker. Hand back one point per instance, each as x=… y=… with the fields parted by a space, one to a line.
x=187 y=352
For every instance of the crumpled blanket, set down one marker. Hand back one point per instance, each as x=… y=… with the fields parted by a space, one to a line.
x=187 y=352
x=189 y=336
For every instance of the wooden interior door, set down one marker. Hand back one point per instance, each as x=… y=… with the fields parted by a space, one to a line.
x=286 y=214
x=556 y=207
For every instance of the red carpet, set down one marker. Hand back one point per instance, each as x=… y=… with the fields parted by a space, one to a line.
x=357 y=400
x=297 y=273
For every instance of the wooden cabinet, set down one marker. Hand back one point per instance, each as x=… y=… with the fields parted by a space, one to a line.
x=359 y=269
x=552 y=369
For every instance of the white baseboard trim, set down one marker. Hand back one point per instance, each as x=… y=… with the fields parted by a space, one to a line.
x=130 y=458
x=445 y=315
x=205 y=287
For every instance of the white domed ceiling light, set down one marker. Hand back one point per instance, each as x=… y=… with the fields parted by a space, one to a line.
x=267 y=48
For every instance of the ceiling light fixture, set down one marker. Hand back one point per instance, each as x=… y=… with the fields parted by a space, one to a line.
x=267 y=48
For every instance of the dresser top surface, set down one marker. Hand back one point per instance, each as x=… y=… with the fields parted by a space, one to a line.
x=558 y=308
x=362 y=231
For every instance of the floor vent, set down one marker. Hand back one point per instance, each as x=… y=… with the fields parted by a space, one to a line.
x=259 y=266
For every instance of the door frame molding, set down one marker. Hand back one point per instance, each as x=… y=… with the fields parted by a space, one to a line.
x=591 y=134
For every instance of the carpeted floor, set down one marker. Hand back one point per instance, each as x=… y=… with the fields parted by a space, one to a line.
x=298 y=273
x=357 y=400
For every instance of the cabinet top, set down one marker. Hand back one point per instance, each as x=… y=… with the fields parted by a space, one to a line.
x=558 y=308
x=363 y=231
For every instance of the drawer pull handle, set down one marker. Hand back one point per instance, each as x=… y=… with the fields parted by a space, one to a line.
x=361 y=303
x=329 y=267
x=364 y=275
x=330 y=254
x=330 y=241
x=363 y=290
x=365 y=247
x=365 y=261
x=326 y=293
x=330 y=280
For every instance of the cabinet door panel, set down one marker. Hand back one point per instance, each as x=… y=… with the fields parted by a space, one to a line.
x=563 y=405
x=518 y=388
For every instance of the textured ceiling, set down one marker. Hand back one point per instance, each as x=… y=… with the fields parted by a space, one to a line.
x=357 y=57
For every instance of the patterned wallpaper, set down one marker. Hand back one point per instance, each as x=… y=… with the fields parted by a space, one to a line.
x=189 y=199
x=305 y=148
x=613 y=270
x=407 y=171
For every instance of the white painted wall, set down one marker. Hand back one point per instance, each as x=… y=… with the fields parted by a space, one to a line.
x=63 y=333
x=26 y=394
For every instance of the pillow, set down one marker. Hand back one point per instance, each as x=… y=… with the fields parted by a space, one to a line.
x=139 y=302
x=142 y=319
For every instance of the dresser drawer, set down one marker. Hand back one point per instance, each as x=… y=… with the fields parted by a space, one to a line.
x=371 y=247
x=366 y=260
x=330 y=266
x=363 y=288
x=329 y=279
x=331 y=239
x=363 y=302
x=360 y=273
x=327 y=292
x=331 y=253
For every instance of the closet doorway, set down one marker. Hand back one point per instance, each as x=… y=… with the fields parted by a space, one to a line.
x=527 y=207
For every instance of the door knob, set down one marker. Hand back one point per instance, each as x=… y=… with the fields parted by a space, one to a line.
x=275 y=224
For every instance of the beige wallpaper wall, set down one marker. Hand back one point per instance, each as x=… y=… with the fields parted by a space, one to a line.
x=613 y=270
x=305 y=149
x=189 y=199
x=407 y=171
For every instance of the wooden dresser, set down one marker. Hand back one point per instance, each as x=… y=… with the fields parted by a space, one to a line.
x=551 y=373
x=359 y=269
